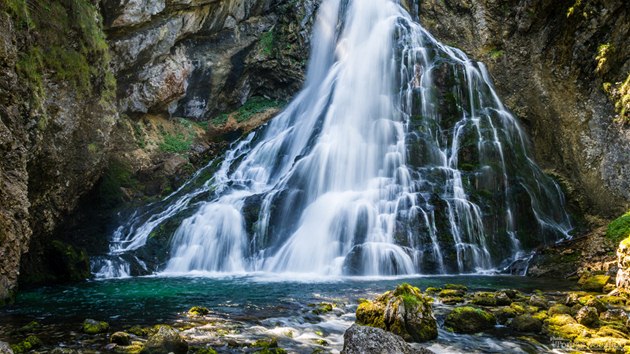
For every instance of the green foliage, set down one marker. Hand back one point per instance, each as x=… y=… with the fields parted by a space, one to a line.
x=619 y=228
x=496 y=54
x=69 y=46
x=267 y=40
x=176 y=143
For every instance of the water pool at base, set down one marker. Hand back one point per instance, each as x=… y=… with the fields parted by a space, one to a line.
x=250 y=306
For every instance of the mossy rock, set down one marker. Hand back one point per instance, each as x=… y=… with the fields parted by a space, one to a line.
x=323 y=308
x=120 y=338
x=538 y=301
x=451 y=300
x=526 y=323
x=522 y=308
x=490 y=299
x=29 y=327
x=269 y=346
x=559 y=309
x=451 y=293
x=138 y=331
x=456 y=287
x=28 y=344
x=592 y=301
x=609 y=331
x=198 y=311
x=605 y=344
x=595 y=283
x=404 y=311
x=432 y=290
x=165 y=341
x=91 y=326
x=587 y=316
x=468 y=319
x=133 y=348
x=504 y=314
x=568 y=331
x=204 y=351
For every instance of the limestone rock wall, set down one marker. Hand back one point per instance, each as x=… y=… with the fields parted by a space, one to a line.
x=543 y=56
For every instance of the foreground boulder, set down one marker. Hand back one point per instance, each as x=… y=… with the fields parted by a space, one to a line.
x=404 y=311
x=362 y=339
x=468 y=319
x=165 y=340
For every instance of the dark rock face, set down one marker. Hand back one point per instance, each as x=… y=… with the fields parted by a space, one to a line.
x=56 y=113
x=362 y=339
x=542 y=55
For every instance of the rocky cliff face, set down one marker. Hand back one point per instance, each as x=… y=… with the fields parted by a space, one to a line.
x=83 y=86
x=55 y=119
x=553 y=63
x=125 y=83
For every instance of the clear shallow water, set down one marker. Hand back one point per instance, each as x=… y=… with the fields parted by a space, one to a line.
x=256 y=306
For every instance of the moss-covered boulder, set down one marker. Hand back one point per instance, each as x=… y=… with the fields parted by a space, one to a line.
x=564 y=326
x=166 y=340
x=91 y=326
x=504 y=314
x=587 y=316
x=595 y=283
x=592 y=301
x=198 y=311
x=26 y=345
x=468 y=319
x=322 y=308
x=483 y=298
x=404 y=311
x=559 y=309
x=538 y=301
x=120 y=338
x=526 y=323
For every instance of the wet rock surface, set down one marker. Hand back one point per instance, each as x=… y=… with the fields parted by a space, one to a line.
x=362 y=339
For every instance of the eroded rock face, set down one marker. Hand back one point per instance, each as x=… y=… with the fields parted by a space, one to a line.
x=542 y=55
x=56 y=114
x=219 y=52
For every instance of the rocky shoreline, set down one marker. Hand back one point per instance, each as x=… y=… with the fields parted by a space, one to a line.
x=406 y=318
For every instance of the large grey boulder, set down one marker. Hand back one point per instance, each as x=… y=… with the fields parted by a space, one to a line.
x=363 y=339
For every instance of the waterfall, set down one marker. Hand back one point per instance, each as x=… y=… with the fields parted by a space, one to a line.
x=397 y=157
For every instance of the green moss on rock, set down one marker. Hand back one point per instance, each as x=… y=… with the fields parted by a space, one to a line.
x=28 y=344
x=468 y=319
x=526 y=323
x=323 y=308
x=404 y=311
x=595 y=283
x=198 y=311
x=91 y=326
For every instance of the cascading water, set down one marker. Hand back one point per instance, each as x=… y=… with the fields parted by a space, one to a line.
x=397 y=157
